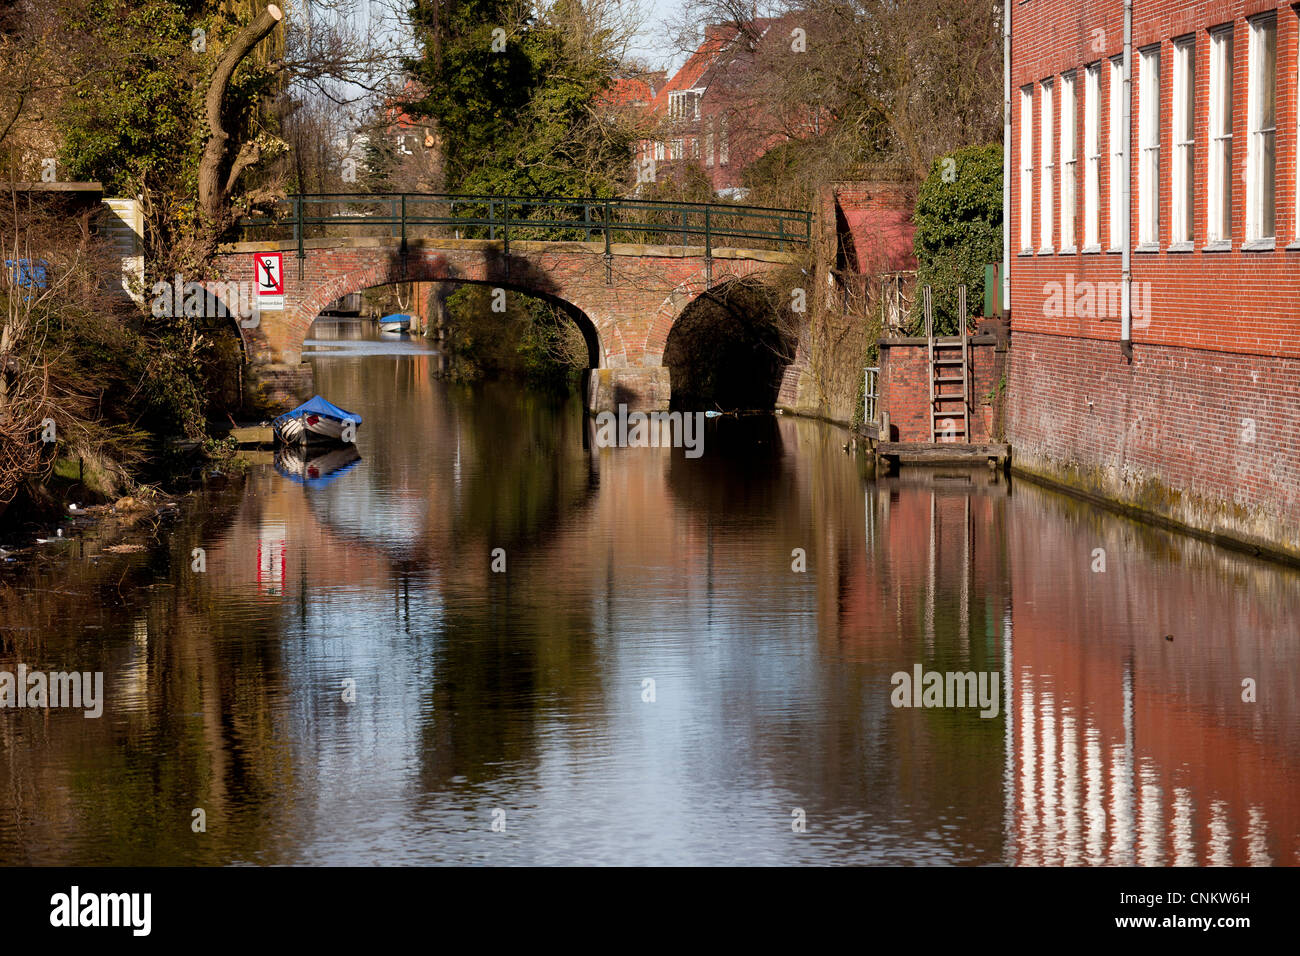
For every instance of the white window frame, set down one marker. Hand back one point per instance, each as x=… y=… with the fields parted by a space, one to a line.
x=1069 y=159
x=1261 y=142
x=1115 y=79
x=1046 y=155
x=1092 y=157
x=1149 y=146
x=1027 y=168
x=1182 y=177
x=684 y=105
x=724 y=142
x=708 y=145
x=1218 y=182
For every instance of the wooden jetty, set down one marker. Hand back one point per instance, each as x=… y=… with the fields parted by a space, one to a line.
x=895 y=453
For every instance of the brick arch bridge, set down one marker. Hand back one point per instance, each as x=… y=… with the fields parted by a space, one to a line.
x=624 y=296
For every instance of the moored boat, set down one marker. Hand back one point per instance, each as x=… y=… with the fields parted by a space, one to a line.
x=397 y=322
x=316 y=420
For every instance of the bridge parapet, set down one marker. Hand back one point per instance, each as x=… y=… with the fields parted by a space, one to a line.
x=409 y=216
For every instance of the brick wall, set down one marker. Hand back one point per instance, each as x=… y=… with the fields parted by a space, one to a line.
x=905 y=387
x=1203 y=438
x=1216 y=333
x=628 y=310
x=873 y=221
x=1235 y=300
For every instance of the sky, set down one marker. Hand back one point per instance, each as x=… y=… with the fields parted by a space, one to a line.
x=655 y=45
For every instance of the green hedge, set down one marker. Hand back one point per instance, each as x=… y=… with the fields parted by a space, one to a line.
x=958 y=230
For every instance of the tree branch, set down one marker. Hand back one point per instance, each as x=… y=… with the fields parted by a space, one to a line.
x=214 y=189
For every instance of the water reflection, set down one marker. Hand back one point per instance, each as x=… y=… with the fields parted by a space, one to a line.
x=349 y=681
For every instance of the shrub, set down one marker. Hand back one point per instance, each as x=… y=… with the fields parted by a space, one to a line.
x=958 y=229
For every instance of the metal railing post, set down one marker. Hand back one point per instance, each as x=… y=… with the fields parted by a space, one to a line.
x=492 y=219
x=403 y=224
x=708 y=249
x=297 y=231
x=505 y=228
x=609 y=254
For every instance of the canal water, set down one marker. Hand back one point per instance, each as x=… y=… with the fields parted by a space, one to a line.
x=683 y=661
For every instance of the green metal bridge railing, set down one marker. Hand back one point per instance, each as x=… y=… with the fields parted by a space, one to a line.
x=407 y=216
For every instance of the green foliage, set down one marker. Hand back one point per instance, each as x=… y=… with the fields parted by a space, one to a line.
x=136 y=120
x=139 y=122
x=959 y=229
x=516 y=121
x=530 y=340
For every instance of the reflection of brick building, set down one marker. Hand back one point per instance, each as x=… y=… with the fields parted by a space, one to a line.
x=708 y=112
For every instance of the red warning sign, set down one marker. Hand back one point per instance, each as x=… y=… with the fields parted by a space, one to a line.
x=268 y=273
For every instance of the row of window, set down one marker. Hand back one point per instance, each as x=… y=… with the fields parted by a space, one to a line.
x=690 y=146
x=1261 y=146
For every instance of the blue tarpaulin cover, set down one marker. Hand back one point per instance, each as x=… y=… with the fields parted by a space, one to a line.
x=396 y=317
x=319 y=406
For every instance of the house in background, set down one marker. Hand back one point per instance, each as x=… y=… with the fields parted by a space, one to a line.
x=633 y=93
x=1155 y=267
x=706 y=112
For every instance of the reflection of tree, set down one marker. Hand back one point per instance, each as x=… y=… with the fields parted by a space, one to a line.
x=509 y=647
x=187 y=723
x=453 y=473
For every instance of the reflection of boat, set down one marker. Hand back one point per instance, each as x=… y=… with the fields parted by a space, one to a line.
x=397 y=322
x=316 y=420
x=315 y=468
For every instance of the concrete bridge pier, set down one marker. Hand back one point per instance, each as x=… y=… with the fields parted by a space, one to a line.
x=645 y=389
x=278 y=385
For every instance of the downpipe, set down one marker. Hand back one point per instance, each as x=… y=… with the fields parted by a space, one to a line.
x=1126 y=272
x=1006 y=154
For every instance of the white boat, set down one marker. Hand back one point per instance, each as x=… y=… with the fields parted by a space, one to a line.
x=316 y=420
x=395 y=323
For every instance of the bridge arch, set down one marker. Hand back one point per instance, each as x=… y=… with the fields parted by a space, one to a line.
x=732 y=346
x=583 y=322
x=625 y=298
x=441 y=269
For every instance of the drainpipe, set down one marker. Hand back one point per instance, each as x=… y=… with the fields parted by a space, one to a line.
x=1006 y=155
x=1126 y=277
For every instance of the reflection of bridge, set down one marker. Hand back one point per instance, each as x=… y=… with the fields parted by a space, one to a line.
x=624 y=270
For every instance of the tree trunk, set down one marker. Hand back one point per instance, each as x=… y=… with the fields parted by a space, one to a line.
x=217 y=172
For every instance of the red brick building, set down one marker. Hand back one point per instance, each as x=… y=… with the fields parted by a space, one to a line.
x=709 y=111
x=1182 y=397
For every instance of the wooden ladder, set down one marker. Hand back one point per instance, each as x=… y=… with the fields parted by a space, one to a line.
x=949 y=384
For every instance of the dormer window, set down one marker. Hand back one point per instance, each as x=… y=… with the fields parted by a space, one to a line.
x=684 y=105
